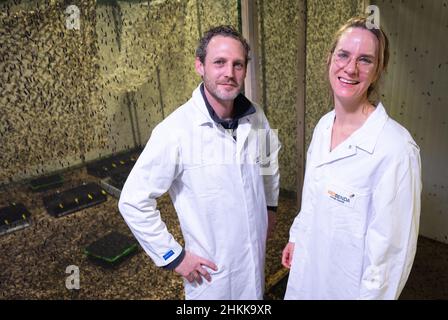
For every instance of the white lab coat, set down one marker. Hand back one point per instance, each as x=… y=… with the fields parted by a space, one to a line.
x=356 y=234
x=218 y=192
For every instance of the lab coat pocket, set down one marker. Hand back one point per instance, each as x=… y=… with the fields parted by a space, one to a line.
x=208 y=290
x=348 y=208
x=203 y=179
x=345 y=261
x=194 y=290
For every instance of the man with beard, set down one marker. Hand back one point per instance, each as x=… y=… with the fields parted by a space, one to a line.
x=216 y=155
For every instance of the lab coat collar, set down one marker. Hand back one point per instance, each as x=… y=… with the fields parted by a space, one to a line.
x=364 y=138
x=204 y=117
x=242 y=107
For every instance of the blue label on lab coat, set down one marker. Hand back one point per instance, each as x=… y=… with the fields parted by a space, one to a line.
x=168 y=254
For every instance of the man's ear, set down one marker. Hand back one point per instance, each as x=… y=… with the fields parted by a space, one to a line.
x=199 y=67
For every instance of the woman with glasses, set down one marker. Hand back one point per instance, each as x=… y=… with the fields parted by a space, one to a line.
x=356 y=233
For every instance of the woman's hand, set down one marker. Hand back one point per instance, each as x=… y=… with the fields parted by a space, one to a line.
x=287 y=255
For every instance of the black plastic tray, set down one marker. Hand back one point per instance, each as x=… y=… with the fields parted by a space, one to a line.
x=75 y=199
x=112 y=248
x=114 y=184
x=46 y=183
x=14 y=217
x=113 y=165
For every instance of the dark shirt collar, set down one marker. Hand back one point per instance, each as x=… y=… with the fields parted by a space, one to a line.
x=241 y=105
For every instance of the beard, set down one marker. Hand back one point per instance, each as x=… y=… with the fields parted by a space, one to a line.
x=220 y=93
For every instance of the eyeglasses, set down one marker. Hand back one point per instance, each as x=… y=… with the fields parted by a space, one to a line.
x=363 y=63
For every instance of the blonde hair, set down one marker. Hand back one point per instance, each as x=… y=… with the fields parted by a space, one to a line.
x=383 y=50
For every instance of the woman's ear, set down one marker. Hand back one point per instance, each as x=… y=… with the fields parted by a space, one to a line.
x=329 y=58
x=376 y=76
